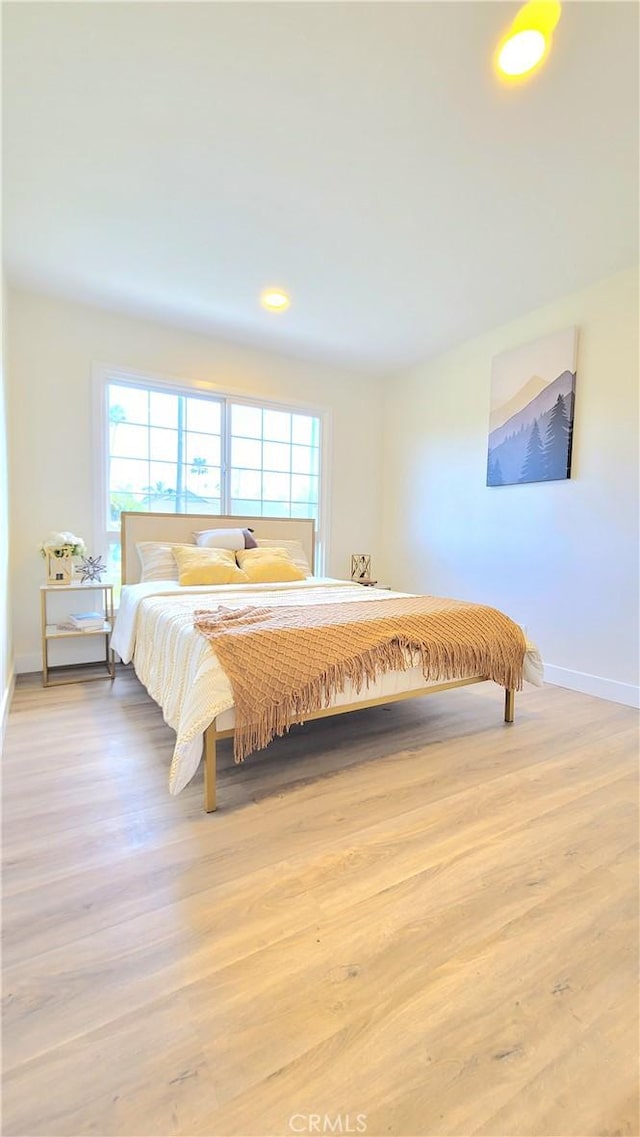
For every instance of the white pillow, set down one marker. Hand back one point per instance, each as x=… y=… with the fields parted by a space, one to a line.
x=293 y=548
x=232 y=539
x=157 y=560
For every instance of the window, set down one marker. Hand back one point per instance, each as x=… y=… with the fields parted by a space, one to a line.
x=274 y=466
x=168 y=449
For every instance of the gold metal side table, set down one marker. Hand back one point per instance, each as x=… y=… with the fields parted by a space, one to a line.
x=77 y=672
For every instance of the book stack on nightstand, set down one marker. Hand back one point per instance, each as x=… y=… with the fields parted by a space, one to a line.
x=86 y=621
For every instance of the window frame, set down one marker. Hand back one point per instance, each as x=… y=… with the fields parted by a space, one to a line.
x=103 y=375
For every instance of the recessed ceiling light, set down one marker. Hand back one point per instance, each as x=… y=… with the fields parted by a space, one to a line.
x=274 y=300
x=528 y=40
x=521 y=52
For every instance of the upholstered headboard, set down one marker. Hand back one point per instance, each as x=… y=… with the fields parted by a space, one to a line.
x=180 y=527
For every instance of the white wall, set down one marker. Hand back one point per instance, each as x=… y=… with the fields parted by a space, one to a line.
x=52 y=345
x=6 y=663
x=559 y=557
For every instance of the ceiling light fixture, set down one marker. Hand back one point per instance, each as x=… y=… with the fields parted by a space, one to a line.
x=274 y=300
x=527 y=43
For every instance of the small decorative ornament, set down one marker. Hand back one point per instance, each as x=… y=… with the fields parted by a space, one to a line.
x=59 y=549
x=91 y=568
x=360 y=566
x=59 y=569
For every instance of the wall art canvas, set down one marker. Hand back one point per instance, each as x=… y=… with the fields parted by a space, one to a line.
x=531 y=417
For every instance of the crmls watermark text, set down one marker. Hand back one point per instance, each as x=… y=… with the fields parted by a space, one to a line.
x=328 y=1123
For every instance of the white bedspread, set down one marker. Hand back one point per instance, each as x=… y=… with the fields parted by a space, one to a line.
x=179 y=668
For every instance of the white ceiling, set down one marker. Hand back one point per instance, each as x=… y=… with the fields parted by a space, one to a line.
x=172 y=159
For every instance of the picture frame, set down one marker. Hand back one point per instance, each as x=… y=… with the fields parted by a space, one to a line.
x=532 y=411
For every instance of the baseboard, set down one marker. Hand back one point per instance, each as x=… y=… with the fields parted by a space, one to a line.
x=593 y=685
x=32 y=661
x=558 y=676
x=25 y=664
x=5 y=703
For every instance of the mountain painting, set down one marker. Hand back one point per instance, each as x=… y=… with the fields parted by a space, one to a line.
x=531 y=419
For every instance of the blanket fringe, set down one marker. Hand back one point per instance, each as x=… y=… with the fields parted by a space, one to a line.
x=438 y=662
x=287 y=664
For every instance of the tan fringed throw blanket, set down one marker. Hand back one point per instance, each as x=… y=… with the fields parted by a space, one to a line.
x=285 y=663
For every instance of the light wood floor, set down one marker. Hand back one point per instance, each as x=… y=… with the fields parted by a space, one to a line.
x=415 y=913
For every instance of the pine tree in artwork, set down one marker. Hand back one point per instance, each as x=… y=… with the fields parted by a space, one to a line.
x=494 y=472
x=533 y=469
x=557 y=442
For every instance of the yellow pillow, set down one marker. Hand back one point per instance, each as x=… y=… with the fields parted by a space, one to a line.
x=268 y=566
x=207 y=566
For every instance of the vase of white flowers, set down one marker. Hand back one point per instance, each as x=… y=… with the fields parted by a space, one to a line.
x=59 y=549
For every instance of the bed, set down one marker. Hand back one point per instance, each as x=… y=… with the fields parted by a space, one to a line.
x=155 y=630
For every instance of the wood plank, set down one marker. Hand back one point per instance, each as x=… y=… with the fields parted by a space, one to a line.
x=415 y=913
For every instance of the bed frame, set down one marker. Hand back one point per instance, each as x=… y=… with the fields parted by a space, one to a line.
x=180 y=527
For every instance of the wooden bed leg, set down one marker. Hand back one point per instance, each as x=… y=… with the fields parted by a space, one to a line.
x=210 y=768
x=509 y=704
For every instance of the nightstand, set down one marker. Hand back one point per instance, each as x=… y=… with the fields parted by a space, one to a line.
x=82 y=672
